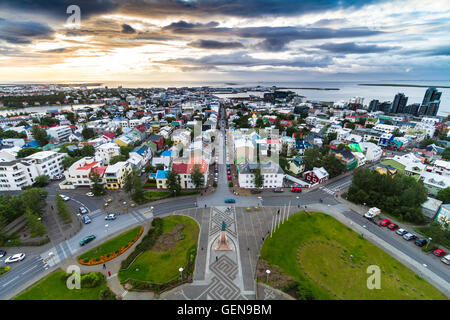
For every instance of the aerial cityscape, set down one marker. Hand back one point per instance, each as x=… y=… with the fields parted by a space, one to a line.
x=245 y=151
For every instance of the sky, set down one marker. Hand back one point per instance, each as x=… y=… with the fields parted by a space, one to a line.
x=224 y=40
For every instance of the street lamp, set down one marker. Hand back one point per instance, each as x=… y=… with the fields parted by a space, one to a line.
x=429 y=240
x=267 y=272
x=181 y=273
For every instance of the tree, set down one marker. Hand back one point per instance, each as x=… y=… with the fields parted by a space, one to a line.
x=138 y=192
x=444 y=195
x=71 y=117
x=125 y=151
x=350 y=125
x=68 y=161
x=341 y=146
x=427 y=142
x=258 y=177
x=41 y=181
x=446 y=153
x=312 y=158
x=96 y=186
x=25 y=152
x=398 y=133
x=34 y=222
x=40 y=135
x=174 y=182
x=22 y=123
x=333 y=166
x=128 y=181
x=48 y=121
x=87 y=133
x=87 y=151
x=197 y=177
x=119 y=131
x=116 y=159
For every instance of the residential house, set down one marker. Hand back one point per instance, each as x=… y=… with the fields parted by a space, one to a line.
x=271 y=172
x=316 y=175
x=78 y=173
x=114 y=174
x=106 y=151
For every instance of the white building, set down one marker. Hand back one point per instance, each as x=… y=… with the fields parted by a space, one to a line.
x=60 y=133
x=272 y=174
x=372 y=151
x=47 y=162
x=78 y=173
x=16 y=174
x=106 y=151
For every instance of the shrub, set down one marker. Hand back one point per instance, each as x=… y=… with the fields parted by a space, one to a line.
x=107 y=294
x=92 y=280
x=304 y=293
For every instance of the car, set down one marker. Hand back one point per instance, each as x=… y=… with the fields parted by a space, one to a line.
x=65 y=198
x=83 y=210
x=409 y=236
x=90 y=194
x=229 y=200
x=401 y=231
x=2 y=253
x=229 y=178
x=439 y=252
x=385 y=222
x=255 y=191
x=278 y=190
x=446 y=259
x=111 y=216
x=87 y=239
x=420 y=242
x=296 y=189
x=392 y=226
x=228 y=165
x=15 y=258
x=86 y=219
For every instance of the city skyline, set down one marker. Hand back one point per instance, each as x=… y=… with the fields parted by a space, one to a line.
x=226 y=40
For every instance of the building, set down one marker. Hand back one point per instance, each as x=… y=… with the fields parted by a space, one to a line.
x=60 y=133
x=316 y=175
x=48 y=163
x=161 y=179
x=16 y=174
x=271 y=172
x=78 y=173
x=443 y=215
x=399 y=103
x=115 y=173
x=346 y=157
x=106 y=151
x=185 y=169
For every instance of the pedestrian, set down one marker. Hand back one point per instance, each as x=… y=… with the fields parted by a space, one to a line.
x=104 y=266
x=52 y=207
x=109 y=273
x=217 y=258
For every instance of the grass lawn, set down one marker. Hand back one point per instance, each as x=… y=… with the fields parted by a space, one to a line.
x=112 y=245
x=52 y=287
x=162 y=266
x=395 y=164
x=4 y=270
x=316 y=252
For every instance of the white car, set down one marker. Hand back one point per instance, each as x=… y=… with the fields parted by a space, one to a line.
x=15 y=258
x=65 y=198
x=90 y=194
x=110 y=216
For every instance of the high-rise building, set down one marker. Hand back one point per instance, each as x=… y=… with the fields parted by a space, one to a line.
x=373 y=105
x=431 y=95
x=433 y=108
x=385 y=106
x=399 y=103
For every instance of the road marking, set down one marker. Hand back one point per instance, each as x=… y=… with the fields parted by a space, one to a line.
x=30 y=269
x=13 y=279
x=124 y=293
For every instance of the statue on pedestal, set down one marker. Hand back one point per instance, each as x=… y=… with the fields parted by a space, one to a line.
x=223 y=244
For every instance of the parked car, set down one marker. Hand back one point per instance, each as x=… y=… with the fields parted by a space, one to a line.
x=83 y=210
x=87 y=239
x=446 y=259
x=296 y=189
x=86 y=219
x=229 y=178
x=392 y=226
x=2 y=253
x=401 y=231
x=420 y=242
x=15 y=258
x=409 y=236
x=278 y=190
x=439 y=252
x=229 y=200
x=255 y=191
x=385 y=222
x=65 y=198
x=372 y=213
x=228 y=165
x=111 y=216
x=90 y=194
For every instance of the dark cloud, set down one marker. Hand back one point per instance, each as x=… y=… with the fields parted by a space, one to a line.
x=352 y=47
x=212 y=44
x=243 y=59
x=127 y=29
x=23 y=32
x=187 y=27
x=436 y=51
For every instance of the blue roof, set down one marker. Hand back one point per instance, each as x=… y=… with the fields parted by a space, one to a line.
x=140 y=150
x=32 y=144
x=300 y=144
x=72 y=148
x=162 y=174
x=166 y=153
x=152 y=175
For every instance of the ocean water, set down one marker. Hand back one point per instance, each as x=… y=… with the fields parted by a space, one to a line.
x=347 y=89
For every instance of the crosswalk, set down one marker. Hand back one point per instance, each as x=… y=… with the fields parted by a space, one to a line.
x=331 y=190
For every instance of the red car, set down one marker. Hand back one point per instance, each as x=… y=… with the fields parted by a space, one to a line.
x=385 y=222
x=296 y=189
x=392 y=226
x=229 y=178
x=439 y=252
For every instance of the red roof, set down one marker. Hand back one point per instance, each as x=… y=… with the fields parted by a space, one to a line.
x=110 y=134
x=99 y=170
x=142 y=128
x=88 y=166
x=186 y=168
